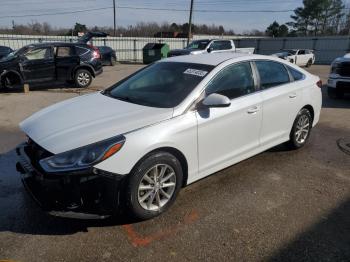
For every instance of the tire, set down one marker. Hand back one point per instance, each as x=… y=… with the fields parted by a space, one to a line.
x=301 y=129
x=82 y=78
x=309 y=63
x=10 y=82
x=153 y=199
x=113 y=61
x=334 y=93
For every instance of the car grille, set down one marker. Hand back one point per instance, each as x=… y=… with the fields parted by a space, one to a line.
x=343 y=69
x=341 y=84
x=35 y=153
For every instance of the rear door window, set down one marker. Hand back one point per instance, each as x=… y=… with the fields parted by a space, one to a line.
x=272 y=74
x=296 y=74
x=64 y=51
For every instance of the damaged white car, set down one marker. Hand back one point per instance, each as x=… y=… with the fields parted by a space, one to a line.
x=136 y=144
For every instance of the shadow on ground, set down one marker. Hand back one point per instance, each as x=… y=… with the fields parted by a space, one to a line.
x=334 y=103
x=328 y=240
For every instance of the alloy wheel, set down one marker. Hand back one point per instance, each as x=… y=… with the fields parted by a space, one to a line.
x=83 y=78
x=302 y=129
x=156 y=187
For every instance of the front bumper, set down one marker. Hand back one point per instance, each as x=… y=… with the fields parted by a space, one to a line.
x=83 y=196
x=341 y=83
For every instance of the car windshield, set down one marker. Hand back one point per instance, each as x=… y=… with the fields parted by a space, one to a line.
x=163 y=84
x=291 y=52
x=15 y=53
x=199 y=45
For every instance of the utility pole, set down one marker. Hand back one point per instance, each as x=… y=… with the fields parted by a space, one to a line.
x=190 y=24
x=114 y=31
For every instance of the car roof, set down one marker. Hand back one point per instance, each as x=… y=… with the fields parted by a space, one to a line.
x=211 y=59
x=45 y=44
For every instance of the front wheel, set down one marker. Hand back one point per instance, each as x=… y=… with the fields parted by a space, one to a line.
x=301 y=129
x=83 y=78
x=153 y=185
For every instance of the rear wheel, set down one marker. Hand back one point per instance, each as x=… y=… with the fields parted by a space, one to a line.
x=153 y=185
x=83 y=78
x=301 y=129
x=113 y=61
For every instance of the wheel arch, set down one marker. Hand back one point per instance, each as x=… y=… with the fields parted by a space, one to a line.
x=177 y=153
x=86 y=67
x=311 y=109
x=17 y=74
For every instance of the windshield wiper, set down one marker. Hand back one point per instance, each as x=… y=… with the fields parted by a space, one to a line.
x=122 y=98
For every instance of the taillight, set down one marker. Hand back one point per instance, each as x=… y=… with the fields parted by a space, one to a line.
x=96 y=54
x=319 y=83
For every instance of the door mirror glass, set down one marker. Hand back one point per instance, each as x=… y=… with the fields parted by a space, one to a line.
x=216 y=100
x=210 y=49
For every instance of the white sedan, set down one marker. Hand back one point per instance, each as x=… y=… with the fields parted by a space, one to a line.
x=136 y=144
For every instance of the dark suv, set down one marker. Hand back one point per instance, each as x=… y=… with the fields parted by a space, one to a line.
x=50 y=62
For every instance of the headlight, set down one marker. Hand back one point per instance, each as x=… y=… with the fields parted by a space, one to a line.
x=334 y=67
x=83 y=157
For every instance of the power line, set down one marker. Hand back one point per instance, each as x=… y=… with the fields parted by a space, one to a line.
x=153 y=9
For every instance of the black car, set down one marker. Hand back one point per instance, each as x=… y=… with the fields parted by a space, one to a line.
x=50 y=62
x=108 y=55
x=4 y=51
x=339 y=78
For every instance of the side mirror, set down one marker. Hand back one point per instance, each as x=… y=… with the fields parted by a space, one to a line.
x=216 y=100
x=210 y=49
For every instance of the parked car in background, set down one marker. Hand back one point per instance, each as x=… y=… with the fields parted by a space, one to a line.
x=50 y=62
x=339 y=77
x=108 y=55
x=4 y=51
x=300 y=57
x=172 y=123
x=210 y=46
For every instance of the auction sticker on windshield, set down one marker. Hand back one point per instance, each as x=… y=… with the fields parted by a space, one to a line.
x=195 y=72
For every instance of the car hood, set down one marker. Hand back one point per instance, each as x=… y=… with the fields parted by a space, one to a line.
x=177 y=52
x=88 y=119
x=8 y=62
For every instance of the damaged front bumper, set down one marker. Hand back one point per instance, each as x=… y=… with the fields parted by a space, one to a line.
x=92 y=194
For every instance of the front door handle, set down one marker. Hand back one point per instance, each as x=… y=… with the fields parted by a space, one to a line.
x=293 y=95
x=253 y=110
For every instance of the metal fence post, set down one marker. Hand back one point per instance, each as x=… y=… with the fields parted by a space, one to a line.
x=238 y=41
x=258 y=46
x=135 y=54
x=314 y=43
x=284 y=43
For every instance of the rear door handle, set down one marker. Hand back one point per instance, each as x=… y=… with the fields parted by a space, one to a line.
x=292 y=95
x=253 y=110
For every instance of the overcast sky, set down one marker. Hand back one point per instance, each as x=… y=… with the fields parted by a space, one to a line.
x=239 y=22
